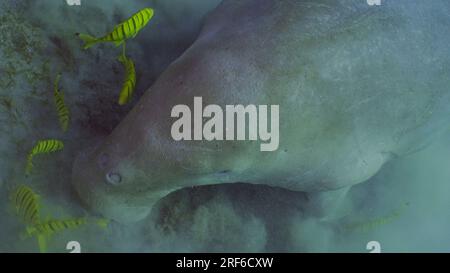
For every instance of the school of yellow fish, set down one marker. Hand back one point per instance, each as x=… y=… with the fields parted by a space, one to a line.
x=25 y=202
x=122 y=32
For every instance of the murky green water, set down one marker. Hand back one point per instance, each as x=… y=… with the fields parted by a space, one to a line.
x=38 y=41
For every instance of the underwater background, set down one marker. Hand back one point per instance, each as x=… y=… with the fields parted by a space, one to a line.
x=404 y=207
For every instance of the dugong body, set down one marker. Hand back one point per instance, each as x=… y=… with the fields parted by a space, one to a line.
x=355 y=84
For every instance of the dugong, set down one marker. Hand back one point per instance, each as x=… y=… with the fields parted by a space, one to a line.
x=356 y=86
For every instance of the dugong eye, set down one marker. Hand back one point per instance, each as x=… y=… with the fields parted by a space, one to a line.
x=113 y=178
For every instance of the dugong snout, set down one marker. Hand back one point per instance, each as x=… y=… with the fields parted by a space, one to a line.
x=101 y=188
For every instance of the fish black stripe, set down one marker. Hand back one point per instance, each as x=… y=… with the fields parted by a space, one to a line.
x=141 y=18
x=55 y=146
x=131 y=28
x=49 y=146
x=136 y=23
x=61 y=104
x=43 y=146
x=112 y=37
x=18 y=196
x=40 y=147
x=31 y=213
x=37 y=149
x=121 y=33
x=60 y=109
x=115 y=35
x=27 y=199
x=131 y=22
x=144 y=15
x=59 y=99
x=34 y=216
x=47 y=228
x=60 y=225
x=135 y=26
x=24 y=197
x=52 y=146
x=28 y=207
x=53 y=226
x=118 y=32
x=126 y=29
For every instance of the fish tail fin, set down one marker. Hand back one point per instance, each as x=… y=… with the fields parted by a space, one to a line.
x=42 y=242
x=88 y=40
x=122 y=58
x=29 y=167
x=56 y=84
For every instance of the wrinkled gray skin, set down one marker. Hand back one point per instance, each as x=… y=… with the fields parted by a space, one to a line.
x=357 y=85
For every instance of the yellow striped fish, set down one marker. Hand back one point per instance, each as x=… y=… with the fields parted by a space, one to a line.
x=43 y=231
x=130 y=78
x=26 y=205
x=43 y=147
x=123 y=31
x=377 y=222
x=53 y=226
x=61 y=108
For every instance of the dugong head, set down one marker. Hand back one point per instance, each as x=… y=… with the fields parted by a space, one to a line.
x=102 y=186
x=121 y=178
x=139 y=163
